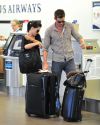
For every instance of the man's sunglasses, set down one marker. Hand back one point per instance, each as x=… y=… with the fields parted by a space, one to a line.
x=60 y=21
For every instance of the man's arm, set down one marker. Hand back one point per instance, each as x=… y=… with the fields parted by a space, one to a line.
x=45 y=63
x=78 y=37
x=45 y=50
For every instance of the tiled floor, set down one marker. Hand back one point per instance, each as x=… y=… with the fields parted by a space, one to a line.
x=12 y=112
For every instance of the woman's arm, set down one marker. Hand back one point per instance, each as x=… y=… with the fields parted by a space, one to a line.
x=35 y=41
x=30 y=38
x=30 y=45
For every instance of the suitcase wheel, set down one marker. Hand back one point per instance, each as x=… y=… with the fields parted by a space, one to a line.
x=28 y=114
x=58 y=114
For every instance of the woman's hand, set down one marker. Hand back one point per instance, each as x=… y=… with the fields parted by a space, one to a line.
x=40 y=44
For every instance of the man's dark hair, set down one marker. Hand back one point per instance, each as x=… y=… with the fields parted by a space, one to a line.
x=34 y=24
x=59 y=13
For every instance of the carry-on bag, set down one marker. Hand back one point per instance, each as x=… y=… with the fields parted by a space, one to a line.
x=73 y=95
x=42 y=95
x=29 y=59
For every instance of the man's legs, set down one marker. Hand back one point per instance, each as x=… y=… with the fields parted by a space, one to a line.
x=69 y=66
x=57 y=68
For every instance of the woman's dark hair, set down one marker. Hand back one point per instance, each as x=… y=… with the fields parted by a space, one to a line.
x=59 y=13
x=34 y=24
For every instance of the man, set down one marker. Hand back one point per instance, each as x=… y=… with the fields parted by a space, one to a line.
x=58 y=36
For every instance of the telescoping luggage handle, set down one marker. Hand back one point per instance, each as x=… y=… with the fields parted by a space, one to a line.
x=87 y=66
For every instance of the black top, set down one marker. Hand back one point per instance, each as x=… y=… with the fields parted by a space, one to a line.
x=24 y=42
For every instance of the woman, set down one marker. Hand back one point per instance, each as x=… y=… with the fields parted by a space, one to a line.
x=16 y=25
x=30 y=44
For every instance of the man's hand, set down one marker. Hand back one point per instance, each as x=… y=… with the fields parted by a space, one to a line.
x=82 y=44
x=45 y=66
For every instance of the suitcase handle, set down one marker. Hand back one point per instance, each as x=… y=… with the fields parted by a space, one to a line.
x=89 y=60
x=87 y=66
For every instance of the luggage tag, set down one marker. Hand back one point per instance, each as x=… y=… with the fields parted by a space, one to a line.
x=44 y=71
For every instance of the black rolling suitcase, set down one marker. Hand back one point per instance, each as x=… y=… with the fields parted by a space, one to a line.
x=73 y=95
x=42 y=96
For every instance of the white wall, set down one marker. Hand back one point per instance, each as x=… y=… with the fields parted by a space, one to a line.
x=81 y=10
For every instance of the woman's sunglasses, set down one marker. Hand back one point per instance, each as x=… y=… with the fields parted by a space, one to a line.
x=37 y=31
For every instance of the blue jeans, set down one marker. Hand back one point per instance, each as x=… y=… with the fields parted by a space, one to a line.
x=58 y=67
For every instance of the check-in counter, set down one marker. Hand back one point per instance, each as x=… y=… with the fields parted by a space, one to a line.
x=1 y=62
x=15 y=81
x=2 y=71
x=92 y=92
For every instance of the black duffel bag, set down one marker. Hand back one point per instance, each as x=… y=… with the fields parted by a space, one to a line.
x=76 y=79
x=29 y=61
